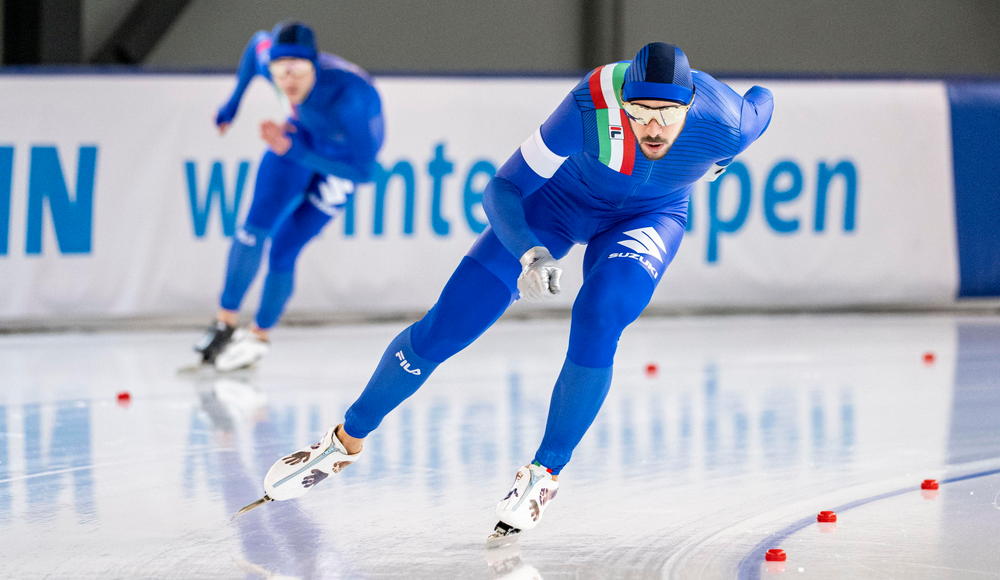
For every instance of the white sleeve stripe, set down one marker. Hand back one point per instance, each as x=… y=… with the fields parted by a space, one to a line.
x=539 y=157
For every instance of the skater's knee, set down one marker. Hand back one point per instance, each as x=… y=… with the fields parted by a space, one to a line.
x=284 y=253
x=492 y=256
x=437 y=338
x=281 y=260
x=292 y=236
x=612 y=298
x=471 y=302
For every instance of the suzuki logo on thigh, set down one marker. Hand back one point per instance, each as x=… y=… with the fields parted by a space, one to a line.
x=644 y=242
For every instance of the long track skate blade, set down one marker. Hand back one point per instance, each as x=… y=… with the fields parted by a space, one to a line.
x=247 y=369
x=503 y=535
x=252 y=505
x=195 y=368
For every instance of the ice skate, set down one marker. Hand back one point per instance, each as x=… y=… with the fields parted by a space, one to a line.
x=295 y=474
x=245 y=349
x=216 y=337
x=523 y=505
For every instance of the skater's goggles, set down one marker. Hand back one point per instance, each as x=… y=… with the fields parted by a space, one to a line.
x=665 y=116
x=290 y=67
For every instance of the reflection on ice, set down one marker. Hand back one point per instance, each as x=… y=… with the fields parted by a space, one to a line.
x=506 y=563
x=642 y=426
x=747 y=422
x=63 y=459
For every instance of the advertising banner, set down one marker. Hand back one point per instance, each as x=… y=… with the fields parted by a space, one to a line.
x=118 y=196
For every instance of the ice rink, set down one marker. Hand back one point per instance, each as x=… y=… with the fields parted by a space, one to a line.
x=722 y=437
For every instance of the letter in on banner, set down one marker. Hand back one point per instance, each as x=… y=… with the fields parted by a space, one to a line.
x=229 y=204
x=72 y=219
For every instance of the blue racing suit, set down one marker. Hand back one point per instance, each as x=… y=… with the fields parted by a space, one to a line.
x=579 y=179
x=338 y=130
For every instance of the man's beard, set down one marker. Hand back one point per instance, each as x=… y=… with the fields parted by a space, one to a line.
x=660 y=154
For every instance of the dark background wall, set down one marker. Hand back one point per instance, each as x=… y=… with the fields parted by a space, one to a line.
x=847 y=36
x=909 y=37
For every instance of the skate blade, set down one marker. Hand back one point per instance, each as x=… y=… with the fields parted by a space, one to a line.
x=251 y=506
x=495 y=542
x=247 y=369
x=194 y=368
x=498 y=540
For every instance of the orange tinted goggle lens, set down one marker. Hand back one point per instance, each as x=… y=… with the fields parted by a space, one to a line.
x=665 y=116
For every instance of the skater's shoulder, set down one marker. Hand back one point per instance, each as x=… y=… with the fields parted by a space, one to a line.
x=714 y=101
x=600 y=86
x=333 y=68
x=339 y=81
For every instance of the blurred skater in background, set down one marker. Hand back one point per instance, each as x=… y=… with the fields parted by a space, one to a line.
x=314 y=160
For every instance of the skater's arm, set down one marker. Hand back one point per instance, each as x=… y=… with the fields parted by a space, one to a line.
x=356 y=169
x=755 y=116
x=504 y=208
x=534 y=163
x=358 y=114
x=248 y=68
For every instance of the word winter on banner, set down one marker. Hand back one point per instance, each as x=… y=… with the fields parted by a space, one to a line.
x=401 y=176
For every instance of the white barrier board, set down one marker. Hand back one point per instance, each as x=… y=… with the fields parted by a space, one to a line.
x=116 y=194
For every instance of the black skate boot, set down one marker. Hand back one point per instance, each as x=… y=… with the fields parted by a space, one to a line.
x=216 y=337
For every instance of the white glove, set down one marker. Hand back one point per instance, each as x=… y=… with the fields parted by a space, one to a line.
x=540 y=274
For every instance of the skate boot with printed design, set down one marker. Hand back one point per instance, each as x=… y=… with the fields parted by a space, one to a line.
x=295 y=474
x=215 y=339
x=524 y=504
x=245 y=349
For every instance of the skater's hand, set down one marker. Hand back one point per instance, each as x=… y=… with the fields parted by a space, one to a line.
x=315 y=477
x=225 y=115
x=275 y=136
x=540 y=274
x=296 y=458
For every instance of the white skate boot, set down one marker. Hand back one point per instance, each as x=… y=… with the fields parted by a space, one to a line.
x=245 y=349
x=295 y=474
x=524 y=504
